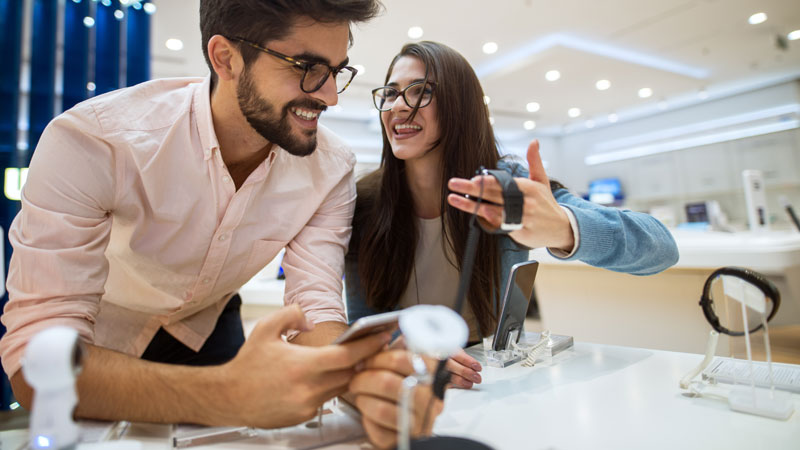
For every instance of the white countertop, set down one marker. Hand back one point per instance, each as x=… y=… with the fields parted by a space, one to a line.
x=590 y=397
x=768 y=252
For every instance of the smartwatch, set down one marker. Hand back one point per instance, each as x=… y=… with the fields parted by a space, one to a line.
x=513 y=200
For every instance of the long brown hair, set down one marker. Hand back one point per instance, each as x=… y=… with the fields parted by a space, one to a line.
x=384 y=228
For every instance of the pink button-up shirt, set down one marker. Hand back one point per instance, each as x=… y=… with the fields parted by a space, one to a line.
x=130 y=221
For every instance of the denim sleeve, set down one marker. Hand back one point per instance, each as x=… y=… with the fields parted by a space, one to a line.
x=614 y=239
x=620 y=240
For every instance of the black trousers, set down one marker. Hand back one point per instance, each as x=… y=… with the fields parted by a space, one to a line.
x=221 y=346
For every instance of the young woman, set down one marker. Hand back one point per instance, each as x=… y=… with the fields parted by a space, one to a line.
x=408 y=244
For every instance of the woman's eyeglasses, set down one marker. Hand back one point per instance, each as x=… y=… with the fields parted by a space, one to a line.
x=314 y=74
x=418 y=93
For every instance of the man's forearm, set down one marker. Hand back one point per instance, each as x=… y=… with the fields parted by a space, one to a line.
x=323 y=334
x=115 y=386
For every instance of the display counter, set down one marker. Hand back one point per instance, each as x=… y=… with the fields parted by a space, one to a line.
x=661 y=311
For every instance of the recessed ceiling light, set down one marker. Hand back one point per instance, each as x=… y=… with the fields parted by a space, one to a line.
x=174 y=44
x=489 y=47
x=602 y=85
x=529 y=124
x=360 y=69
x=532 y=107
x=119 y=15
x=757 y=18
x=794 y=35
x=91 y=86
x=88 y=22
x=645 y=92
x=415 y=32
x=149 y=8
x=613 y=117
x=486 y=99
x=552 y=75
x=574 y=112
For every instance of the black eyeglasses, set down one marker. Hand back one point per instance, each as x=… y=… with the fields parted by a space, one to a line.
x=420 y=92
x=314 y=74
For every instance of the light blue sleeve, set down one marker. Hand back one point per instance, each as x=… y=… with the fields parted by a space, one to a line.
x=619 y=240
x=614 y=239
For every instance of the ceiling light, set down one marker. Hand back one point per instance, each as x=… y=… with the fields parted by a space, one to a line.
x=529 y=124
x=552 y=75
x=119 y=15
x=590 y=123
x=613 y=117
x=602 y=85
x=174 y=44
x=415 y=32
x=574 y=112
x=88 y=22
x=149 y=8
x=532 y=107
x=106 y=2
x=489 y=47
x=645 y=92
x=486 y=99
x=794 y=35
x=757 y=18
x=360 y=69
x=91 y=86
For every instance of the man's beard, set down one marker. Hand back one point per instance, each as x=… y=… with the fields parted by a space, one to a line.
x=261 y=115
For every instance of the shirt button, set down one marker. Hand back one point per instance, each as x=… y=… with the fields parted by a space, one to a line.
x=206 y=280
x=226 y=179
x=222 y=237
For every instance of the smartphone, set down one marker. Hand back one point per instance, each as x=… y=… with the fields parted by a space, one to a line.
x=516 y=299
x=370 y=325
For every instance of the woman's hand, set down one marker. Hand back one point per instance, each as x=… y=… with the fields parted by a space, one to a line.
x=544 y=222
x=464 y=370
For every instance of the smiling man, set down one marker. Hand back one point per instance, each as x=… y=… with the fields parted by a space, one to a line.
x=147 y=208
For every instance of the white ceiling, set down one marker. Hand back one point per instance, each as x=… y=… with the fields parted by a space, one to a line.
x=631 y=43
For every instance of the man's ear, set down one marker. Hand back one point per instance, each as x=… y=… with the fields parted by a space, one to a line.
x=225 y=57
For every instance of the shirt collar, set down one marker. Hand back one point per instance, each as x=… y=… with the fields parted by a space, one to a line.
x=205 y=123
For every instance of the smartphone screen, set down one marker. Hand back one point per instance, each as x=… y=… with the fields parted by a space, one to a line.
x=370 y=325
x=516 y=299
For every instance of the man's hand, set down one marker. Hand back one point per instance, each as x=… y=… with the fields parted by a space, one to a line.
x=544 y=223
x=376 y=391
x=274 y=383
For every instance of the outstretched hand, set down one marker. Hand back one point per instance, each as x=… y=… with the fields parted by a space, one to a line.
x=544 y=222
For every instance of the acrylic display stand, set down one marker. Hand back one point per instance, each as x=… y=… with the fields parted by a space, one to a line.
x=749 y=398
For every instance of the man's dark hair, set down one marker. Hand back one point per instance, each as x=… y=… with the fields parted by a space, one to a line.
x=262 y=21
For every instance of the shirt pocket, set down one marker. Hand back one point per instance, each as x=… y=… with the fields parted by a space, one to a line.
x=261 y=253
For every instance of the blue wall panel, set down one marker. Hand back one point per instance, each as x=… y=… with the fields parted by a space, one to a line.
x=76 y=53
x=43 y=68
x=10 y=48
x=138 y=52
x=107 y=48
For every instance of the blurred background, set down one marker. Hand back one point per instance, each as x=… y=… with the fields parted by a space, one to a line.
x=685 y=109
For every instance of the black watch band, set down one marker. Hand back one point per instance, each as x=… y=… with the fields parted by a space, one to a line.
x=513 y=199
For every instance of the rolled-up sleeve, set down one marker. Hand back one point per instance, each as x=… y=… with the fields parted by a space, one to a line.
x=58 y=268
x=314 y=261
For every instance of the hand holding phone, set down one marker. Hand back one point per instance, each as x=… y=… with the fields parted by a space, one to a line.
x=370 y=325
